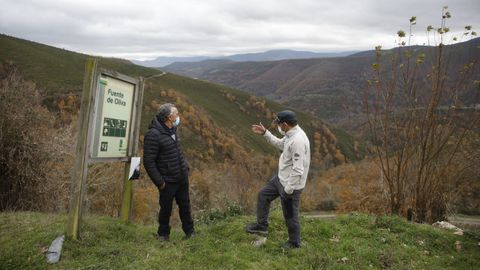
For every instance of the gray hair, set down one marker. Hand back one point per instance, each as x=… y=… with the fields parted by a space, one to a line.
x=165 y=111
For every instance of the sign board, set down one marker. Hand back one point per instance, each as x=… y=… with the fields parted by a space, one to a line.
x=109 y=127
x=114 y=112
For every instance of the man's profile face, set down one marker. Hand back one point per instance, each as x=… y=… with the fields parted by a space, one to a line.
x=173 y=115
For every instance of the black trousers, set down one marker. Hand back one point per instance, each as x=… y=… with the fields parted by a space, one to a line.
x=290 y=207
x=179 y=192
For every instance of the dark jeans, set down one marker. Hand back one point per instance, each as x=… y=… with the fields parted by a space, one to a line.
x=290 y=207
x=179 y=191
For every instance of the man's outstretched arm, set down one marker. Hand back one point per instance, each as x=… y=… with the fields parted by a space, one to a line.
x=272 y=139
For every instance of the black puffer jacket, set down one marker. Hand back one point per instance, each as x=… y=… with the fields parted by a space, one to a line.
x=162 y=156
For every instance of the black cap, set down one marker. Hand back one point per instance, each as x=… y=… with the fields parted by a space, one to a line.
x=285 y=116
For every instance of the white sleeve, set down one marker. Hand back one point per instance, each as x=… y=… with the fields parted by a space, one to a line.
x=273 y=140
x=298 y=152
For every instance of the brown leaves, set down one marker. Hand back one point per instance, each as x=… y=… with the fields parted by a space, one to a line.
x=25 y=129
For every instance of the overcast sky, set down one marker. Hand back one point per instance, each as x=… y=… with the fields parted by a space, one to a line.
x=145 y=29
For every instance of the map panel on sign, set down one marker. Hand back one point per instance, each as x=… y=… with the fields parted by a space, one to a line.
x=114 y=127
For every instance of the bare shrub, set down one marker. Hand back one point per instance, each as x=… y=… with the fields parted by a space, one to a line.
x=420 y=114
x=25 y=126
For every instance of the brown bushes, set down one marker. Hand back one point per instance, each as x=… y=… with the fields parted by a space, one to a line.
x=24 y=136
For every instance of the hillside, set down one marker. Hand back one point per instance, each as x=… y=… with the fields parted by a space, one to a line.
x=331 y=88
x=60 y=73
x=354 y=241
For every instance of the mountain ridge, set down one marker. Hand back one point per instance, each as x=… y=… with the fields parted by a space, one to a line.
x=330 y=88
x=270 y=55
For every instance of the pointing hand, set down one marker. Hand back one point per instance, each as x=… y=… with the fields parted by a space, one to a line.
x=259 y=129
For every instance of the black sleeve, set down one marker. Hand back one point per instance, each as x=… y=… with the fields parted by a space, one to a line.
x=183 y=155
x=150 y=151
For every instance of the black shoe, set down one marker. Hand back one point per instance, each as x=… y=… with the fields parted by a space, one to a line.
x=290 y=245
x=189 y=235
x=257 y=229
x=163 y=238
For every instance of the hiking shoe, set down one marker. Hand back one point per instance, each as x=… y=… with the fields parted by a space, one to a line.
x=257 y=229
x=290 y=245
x=163 y=238
x=190 y=235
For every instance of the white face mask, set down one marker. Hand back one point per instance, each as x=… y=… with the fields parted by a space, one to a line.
x=177 y=122
x=281 y=131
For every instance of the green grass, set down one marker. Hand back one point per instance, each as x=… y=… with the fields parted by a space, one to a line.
x=367 y=242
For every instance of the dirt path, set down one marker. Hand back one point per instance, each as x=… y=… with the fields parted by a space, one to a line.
x=157 y=75
x=470 y=221
x=320 y=215
x=465 y=221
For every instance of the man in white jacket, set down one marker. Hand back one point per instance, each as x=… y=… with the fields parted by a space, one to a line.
x=292 y=174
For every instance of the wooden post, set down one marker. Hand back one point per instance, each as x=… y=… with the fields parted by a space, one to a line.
x=127 y=195
x=79 y=175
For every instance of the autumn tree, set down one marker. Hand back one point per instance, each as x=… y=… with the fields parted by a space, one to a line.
x=419 y=115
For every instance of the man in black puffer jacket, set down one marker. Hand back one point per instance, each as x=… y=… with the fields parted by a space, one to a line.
x=163 y=159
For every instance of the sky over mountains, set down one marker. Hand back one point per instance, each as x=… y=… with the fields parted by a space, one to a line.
x=146 y=29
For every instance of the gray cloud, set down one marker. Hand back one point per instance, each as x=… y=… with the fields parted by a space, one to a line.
x=145 y=28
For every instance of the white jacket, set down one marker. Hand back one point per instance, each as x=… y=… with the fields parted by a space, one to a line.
x=295 y=159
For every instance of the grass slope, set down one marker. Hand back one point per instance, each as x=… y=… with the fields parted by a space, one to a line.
x=365 y=241
x=209 y=97
x=57 y=70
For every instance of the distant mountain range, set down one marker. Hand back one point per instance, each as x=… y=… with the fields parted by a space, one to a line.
x=272 y=55
x=330 y=88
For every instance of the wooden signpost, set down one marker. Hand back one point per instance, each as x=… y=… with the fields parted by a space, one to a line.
x=109 y=128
